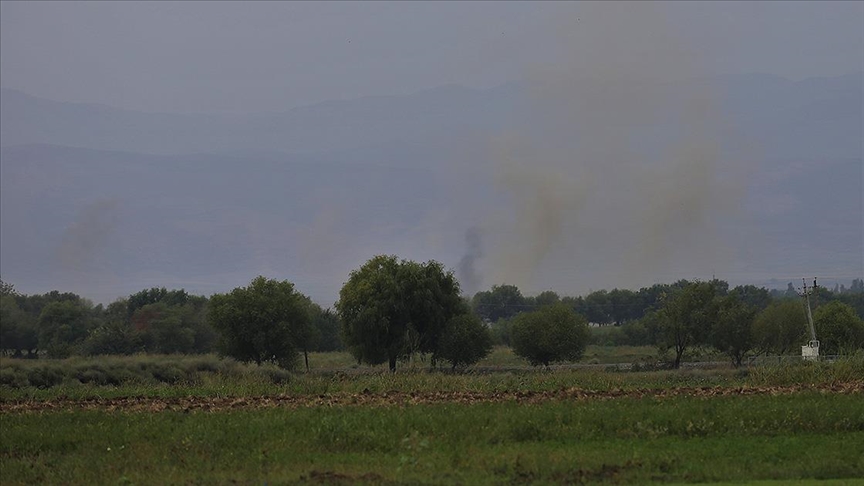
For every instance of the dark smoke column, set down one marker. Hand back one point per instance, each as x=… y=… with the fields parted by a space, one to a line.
x=467 y=272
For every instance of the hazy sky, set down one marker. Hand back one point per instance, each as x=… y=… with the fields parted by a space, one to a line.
x=225 y=56
x=599 y=172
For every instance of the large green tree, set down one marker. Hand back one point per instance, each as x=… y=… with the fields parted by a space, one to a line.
x=258 y=323
x=757 y=297
x=63 y=325
x=687 y=317
x=732 y=333
x=838 y=328
x=550 y=334
x=391 y=308
x=780 y=328
x=168 y=329
x=171 y=298
x=624 y=305
x=501 y=302
x=18 y=332
x=596 y=307
x=547 y=297
x=115 y=337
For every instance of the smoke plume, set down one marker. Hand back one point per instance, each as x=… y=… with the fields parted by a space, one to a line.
x=87 y=236
x=617 y=177
x=467 y=271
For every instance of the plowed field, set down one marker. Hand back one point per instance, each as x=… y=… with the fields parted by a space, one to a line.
x=192 y=403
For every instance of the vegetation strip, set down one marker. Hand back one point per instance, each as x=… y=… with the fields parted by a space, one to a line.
x=150 y=404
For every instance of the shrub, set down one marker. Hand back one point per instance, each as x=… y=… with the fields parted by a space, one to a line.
x=466 y=341
x=550 y=334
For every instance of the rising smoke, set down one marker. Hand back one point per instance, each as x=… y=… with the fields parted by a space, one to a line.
x=467 y=271
x=87 y=237
x=617 y=177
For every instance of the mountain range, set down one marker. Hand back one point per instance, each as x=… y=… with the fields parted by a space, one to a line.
x=106 y=201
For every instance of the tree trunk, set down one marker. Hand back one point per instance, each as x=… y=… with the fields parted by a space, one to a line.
x=678 y=355
x=392 y=365
x=306 y=358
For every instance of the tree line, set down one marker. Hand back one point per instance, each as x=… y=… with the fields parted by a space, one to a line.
x=391 y=309
x=687 y=315
x=156 y=320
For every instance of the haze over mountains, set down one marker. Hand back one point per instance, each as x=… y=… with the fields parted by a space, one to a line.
x=106 y=201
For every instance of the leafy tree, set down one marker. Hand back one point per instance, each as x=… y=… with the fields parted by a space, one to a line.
x=33 y=304
x=329 y=330
x=391 y=308
x=654 y=322
x=791 y=293
x=652 y=297
x=7 y=289
x=116 y=311
x=687 y=317
x=732 y=333
x=780 y=328
x=170 y=298
x=838 y=329
x=502 y=302
x=18 y=330
x=624 y=305
x=547 y=297
x=757 y=297
x=637 y=333
x=549 y=334
x=597 y=307
x=854 y=300
x=63 y=324
x=466 y=341
x=434 y=298
x=112 y=338
x=256 y=322
x=305 y=335
x=165 y=329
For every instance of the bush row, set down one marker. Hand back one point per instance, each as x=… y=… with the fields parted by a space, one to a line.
x=139 y=370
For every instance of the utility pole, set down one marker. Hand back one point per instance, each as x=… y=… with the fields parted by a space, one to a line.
x=810 y=351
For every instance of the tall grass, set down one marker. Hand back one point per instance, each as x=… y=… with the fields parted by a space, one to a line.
x=843 y=370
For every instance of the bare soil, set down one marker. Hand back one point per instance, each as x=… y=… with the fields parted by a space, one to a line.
x=366 y=398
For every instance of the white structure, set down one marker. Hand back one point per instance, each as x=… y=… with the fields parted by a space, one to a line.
x=810 y=352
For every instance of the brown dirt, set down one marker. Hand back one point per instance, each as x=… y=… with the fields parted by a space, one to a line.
x=210 y=404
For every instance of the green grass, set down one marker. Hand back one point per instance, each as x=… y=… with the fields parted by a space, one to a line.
x=628 y=441
x=805 y=436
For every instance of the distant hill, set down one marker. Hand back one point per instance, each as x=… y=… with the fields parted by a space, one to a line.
x=425 y=118
x=775 y=111
x=106 y=201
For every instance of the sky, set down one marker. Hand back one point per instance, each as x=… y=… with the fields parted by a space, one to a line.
x=586 y=207
x=272 y=56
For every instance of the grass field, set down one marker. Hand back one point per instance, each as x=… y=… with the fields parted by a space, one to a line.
x=220 y=422
x=683 y=439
